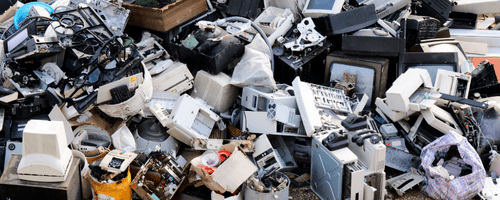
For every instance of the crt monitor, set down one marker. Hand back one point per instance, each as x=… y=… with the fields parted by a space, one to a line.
x=371 y=73
x=446 y=45
x=321 y=8
x=429 y=61
x=432 y=68
x=46 y=156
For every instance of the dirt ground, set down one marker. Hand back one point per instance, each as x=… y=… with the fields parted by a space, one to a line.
x=305 y=192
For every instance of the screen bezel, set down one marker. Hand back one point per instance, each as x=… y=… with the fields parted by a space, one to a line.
x=18 y=39
x=29 y=28
x=422 y=58
x=380 y=64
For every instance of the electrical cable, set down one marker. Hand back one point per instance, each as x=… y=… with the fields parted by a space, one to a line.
x=225 y=116
x=482 y=117
x=480 y=133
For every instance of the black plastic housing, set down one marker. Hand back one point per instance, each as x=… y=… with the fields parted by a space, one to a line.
x=310 y=67
x=218 y=58
x=346 y=21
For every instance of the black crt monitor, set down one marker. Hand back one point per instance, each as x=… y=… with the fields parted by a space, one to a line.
x=371 y=73
x=429 y=61
x=445 y=45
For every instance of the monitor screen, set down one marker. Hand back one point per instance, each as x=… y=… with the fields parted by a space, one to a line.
x=16 y=40
x=365 y=77
x=432 y=69
x=321 y=4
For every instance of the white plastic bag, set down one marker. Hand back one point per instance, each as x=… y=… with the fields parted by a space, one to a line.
x=123 y=139
x=254 y=68
x=438 y=186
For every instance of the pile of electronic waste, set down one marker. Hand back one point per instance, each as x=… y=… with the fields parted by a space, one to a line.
x=250 y=100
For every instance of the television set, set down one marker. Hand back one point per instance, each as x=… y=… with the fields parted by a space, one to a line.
x=320 y=8
x=371 y=73
x=428 y=61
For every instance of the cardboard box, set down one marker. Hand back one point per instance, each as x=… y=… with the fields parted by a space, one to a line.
x=97 y=119
x=166 y=18
x=228 y=176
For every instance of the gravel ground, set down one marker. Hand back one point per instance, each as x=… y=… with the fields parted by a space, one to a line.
x=412 y=194
x=305 y=192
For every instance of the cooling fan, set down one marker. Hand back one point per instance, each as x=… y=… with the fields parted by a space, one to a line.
x=67 y=25
x=271 y=111
x=88 y=42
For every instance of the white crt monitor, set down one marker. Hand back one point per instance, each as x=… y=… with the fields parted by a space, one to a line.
x=46 y=156
x=321 y=8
